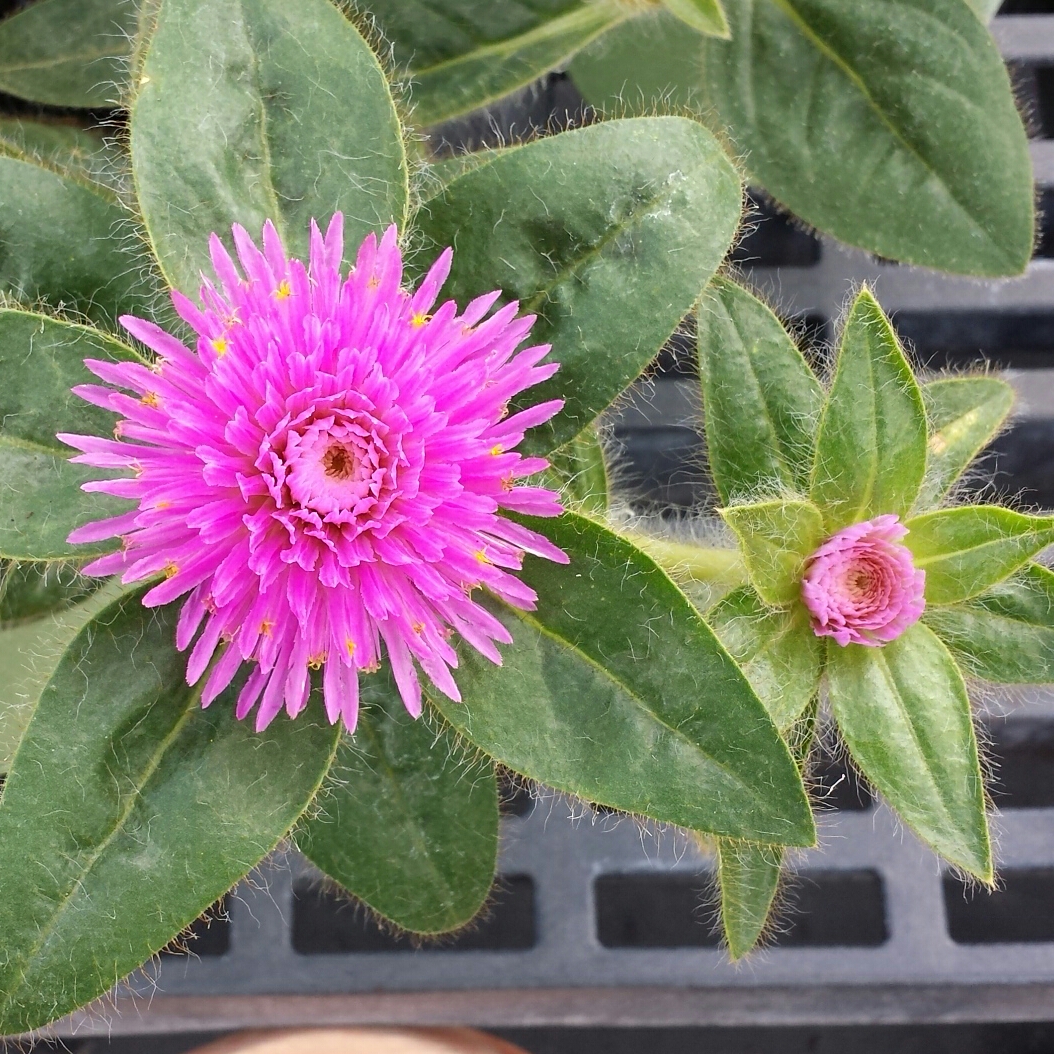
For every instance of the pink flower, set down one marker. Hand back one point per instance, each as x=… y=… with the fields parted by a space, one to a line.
x=861 y=586
x=325 y=473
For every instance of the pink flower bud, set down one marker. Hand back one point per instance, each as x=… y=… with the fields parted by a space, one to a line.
x=861 y=586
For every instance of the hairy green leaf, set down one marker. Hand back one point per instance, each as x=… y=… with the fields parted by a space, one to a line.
x=405 y=821
x=463 y=54
x=907 y=141
x=1005 y=634
x=761 y=400
x=705 y=16
x=249 y=110
x=68 y=52
x=871 y=446
x=903 y=712
x=623 y=696
x=41 y=359
x=964 y=414
x=582 y=228
x=64 y=237
x=30 y=591
x=777 y=537
x=578 y=470
x=965 y=550
x=776 y=648
x=129 y=810
x=62 y=146
x=748 y=875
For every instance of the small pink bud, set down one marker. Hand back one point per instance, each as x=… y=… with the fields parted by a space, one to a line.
x=861 y=586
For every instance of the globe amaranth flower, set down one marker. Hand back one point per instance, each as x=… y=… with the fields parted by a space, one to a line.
x=861 y=586
x=325 y=473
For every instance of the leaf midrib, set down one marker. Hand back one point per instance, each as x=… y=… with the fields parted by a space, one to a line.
x=788 y=8
x=926 y=561
x=153 y=763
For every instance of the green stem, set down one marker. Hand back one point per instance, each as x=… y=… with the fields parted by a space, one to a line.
x=710 y=565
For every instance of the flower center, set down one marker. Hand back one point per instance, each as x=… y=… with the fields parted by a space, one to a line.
x=338 y=461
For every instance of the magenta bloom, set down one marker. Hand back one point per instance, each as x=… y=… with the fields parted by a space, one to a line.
x=861 y=586
x=325 y=473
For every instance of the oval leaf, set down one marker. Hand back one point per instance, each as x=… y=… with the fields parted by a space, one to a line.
x=761 y=400
x=964 y=415
x=68 y=52
x=30 y=591
x=582 y=228
x=903 y=712
x=776 y=537
x=249 y=110
x=405 y=821
x=965 y=550
x=578 y=470
x=64 y=238
x=907 y=142
x=623 y=696
x=171 y=805
x=871 y=445
x=41 y=359
x=776 y=649
x=1005 y=635
x=463 y=59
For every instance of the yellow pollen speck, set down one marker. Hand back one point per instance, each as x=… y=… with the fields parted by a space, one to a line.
x=481 y=556
x=497 y=450
x=220 y=345
x=350 y=645
x=316 y=661
x=419 y=319
x=373 y=283
x=144 y=79
x=283 y=290
x=508 y=483
x=150 y=399
x=265 y=627
x=163 y=505
x=418 y=628
x=171 y=570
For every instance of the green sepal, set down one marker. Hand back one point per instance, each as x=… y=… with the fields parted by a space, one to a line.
x=871 y=444
x=776 y=649
x=761 y=400
x=704 y=16
x=1006 y=634
x=168 y=806
x=581 y=228
x=967 y=549
x=248 y=110
x=626 y=698
x=579 y=472
x=776 y=537
x=407 y=819
x=964 y=415
x=903 y=712
x=68 y=52
x=41 y=359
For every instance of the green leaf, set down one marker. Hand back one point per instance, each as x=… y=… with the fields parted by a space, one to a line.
x=907 y=141
x=653 y=60
x=30 y=591
x=583 y=228
x=1006 y=634
x=903 y=712
x=777 y=537
x=871 y=446
x=63 y=236
x=405 y=821
x=749 y=873
x=706 y=16
x=578 y=470
x=761 y=400
x=465 y=54
x=68 y=52
x=985 y=9
x=69 y=149
x=965 y=550
x=168 y=806
x=964 y=414
x=623 y=696
x=777 y=650
x=41 y=359
x=255 y=109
